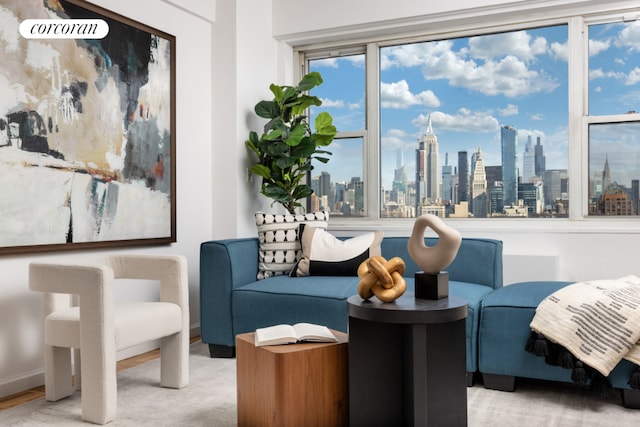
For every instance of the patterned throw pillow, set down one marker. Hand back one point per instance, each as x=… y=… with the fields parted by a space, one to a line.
x=279 y=241
x=325 y=255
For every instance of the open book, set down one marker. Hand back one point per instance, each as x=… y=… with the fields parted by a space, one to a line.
x=289 y=334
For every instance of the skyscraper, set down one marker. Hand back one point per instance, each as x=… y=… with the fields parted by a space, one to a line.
x=540 y=161
x=432 y=163
x=400 y=173
x=447 y=180
x=528 y=162
x=427 y=167
x=509 y=141
x=606 y=175
x=463 y=177
x=479 y=187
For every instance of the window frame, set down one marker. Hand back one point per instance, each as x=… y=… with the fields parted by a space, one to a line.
x=578 y=119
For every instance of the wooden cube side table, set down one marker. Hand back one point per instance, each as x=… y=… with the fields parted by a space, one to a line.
x=292 y=385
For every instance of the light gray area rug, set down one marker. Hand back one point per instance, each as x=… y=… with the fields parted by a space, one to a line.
x=210 y=400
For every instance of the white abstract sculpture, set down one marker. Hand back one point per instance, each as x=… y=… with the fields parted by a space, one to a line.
x=438 y=257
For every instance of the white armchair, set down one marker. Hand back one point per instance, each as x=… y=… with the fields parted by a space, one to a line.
x=97 y=328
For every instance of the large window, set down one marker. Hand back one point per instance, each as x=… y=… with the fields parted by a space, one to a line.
x=474 y=125
x=613 y=125
x=530 y=122
x=339 y=185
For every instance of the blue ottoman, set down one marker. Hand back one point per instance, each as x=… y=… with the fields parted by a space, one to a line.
x=504 y=331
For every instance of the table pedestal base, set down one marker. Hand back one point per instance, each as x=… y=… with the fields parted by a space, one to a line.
x=407 y=373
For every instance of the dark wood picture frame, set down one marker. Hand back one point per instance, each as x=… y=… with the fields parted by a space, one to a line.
x=87 y=134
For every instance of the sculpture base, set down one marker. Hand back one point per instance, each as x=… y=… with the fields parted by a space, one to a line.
x=431 y=285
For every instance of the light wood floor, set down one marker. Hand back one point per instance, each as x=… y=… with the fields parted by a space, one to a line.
x=38 y=392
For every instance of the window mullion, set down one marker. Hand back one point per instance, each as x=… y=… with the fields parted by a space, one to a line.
x=372 y=139
x=577 y=132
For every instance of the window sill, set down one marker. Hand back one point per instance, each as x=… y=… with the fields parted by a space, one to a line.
x=402 y=227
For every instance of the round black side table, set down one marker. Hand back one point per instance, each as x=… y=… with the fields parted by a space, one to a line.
x=407 y=362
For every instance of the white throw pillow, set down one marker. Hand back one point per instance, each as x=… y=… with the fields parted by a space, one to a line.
x=326 y=255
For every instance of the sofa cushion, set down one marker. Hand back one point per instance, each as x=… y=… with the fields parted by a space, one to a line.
x=284 y=299
x=322 y=300
x=504 y=330
x=279 y=243
x=325 y=255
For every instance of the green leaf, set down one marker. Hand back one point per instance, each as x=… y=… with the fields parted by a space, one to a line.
x=301 y=192
x=285 y=162
x=325 y=131
x=276 y=149
x=289 y=93
x=261 y=170
x=295 y=135
x=304 y=103
x=278 y=92
x=310 y=81
x=305 y=149
x=275 y=192
x=273 y=135
x=323 y=120
x=267 y=109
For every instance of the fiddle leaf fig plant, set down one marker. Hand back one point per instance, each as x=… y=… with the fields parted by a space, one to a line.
x=288 y=144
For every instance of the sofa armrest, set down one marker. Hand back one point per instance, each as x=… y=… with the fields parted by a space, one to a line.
x=224 y=265
x=478 y=260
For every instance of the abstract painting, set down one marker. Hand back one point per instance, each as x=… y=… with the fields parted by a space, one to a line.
x=87 y=132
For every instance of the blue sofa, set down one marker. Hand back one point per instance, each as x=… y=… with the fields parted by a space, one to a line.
x=232 y=301
x=504 y=329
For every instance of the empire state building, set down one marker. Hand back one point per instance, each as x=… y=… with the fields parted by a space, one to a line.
x=427 y=167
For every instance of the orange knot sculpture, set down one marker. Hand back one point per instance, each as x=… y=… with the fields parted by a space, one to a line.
x=381 y=278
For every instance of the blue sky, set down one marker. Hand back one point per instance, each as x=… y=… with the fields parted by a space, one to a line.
x=471 y=86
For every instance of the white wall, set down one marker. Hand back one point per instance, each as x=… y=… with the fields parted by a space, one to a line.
x=20 y=309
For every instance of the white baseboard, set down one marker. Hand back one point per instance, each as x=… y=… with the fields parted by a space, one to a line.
x=29 y=380
x=19 y=384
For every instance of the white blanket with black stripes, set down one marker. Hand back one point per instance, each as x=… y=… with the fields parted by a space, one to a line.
x=597 y=321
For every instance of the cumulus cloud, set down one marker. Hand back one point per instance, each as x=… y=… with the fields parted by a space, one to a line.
x=560 y=51
x=396 y=138
x=500 y=64
x=398 y=95
x=334 y=103
x=633 y=77
x=629 y=37
x=598 y=46
x=463 y=121
x=326 y=62
x=629 y=79
x=509 y=110
x=519 y=44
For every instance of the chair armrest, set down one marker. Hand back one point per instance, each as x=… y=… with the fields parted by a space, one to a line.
x=170 y=270
x=224 y=266
x=93 y=284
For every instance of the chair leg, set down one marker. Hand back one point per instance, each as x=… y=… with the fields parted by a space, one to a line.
x=174 y=360
x=57 y=373
x=99 y=387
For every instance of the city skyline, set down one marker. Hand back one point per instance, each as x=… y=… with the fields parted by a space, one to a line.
x=472 y=86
